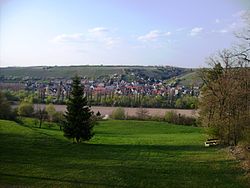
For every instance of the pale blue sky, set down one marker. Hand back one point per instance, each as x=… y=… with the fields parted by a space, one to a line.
x=116 y=32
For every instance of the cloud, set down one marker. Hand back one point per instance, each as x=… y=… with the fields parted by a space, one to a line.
x=180 y=29
x=167 y=33
x=97 y=35
x=153 y=36
x=217 y=21
x=195 y=31
x=98 y=31
x=222 y=31
x=76 y=37
x=239 y=13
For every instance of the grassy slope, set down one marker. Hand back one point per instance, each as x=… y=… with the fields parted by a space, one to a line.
x=89 y=71
x=122 y=154
x=61 y=71
x=191 y=78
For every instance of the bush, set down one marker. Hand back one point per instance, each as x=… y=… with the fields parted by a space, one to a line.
x=51 y=111
x=173 y=117
x=58 y=117
x=187 y=120
x=142 y=114
x=25 y=109
x=156 y=118
x=118 y=113
x=5 y=109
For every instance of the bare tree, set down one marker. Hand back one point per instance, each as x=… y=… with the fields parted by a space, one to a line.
x=41 y=114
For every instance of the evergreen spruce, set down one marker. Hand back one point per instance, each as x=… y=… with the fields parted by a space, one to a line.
x=79 y=119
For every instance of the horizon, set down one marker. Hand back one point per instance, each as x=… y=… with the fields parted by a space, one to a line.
x=98 y=66
x=117 y=33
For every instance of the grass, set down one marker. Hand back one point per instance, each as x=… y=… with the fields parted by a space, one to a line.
x=191 y=78
x=43 y=73
x=122 y=154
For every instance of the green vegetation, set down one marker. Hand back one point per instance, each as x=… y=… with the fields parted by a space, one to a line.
x=122 y=154
x=178 y=119
x=94 y=72
x=190 y=79
x=187 y=102
x=118 y=113
x=5 y=109
x=224 y=106
x=79 y=121
x=57 y=71
x=25 y=109
x=6 y=112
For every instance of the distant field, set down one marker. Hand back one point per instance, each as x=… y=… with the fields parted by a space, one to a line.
x=93 y=72
x=191 y=78
x=61 y=71
x=122 y=154
x=132 y=111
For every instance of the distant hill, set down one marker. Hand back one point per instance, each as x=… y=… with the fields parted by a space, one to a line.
x=127 y=73
x=191 y=78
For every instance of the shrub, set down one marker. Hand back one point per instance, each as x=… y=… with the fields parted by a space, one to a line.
x=5 y=109
x=187 y=120
x=156 y=118
x=172 y=117
x=142 y=114
x=51 y=111
x=25 y=109
x=118 y=113
x=58 y=117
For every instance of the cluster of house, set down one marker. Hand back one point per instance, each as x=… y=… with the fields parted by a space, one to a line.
x=60 y=89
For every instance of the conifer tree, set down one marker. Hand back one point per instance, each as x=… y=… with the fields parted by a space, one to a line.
x=79 y=121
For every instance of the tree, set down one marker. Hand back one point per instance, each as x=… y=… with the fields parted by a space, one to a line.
x=222 y=106
x=51 y=111
x=41 y=114
x=79 y=121
x=58 y=117
x=5 y=108
x=225 y=104
x=187 y=102
x=25 y=109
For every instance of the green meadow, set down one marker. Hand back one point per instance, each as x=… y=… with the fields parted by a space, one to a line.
x=121 y=154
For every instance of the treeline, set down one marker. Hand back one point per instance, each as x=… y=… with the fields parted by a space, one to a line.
x=146 y=101
x=49 y=114
x=143 y=115
x=28 y=109
x=115 y=100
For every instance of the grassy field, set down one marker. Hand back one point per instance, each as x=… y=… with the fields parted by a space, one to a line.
x=93 y=72
x=190 y=79
x=122 y=154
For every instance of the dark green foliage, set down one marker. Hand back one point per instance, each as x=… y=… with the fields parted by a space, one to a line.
x=5 y=108
x=98 y=113
x=187 y=102
x=37 y=73
x=79 y=121
x=173 y=117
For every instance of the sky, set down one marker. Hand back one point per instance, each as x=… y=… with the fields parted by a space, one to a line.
x=179 y=33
